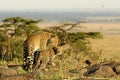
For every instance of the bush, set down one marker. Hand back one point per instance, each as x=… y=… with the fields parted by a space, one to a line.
x=80 y=43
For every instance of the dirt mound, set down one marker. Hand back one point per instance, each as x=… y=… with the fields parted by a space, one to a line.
x=14 y=78
x=8 y=72
x=92 y=79
x=3 y=66
x=27 y=76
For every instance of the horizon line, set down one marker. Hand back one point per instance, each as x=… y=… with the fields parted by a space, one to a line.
x=68 y=10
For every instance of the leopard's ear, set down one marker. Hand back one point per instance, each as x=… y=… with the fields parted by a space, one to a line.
x=53 y=35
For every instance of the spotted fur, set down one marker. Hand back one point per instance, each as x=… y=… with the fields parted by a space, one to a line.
x=46 y=56
x=38 y=42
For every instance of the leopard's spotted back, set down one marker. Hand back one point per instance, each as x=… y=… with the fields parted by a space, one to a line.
x=39 y=41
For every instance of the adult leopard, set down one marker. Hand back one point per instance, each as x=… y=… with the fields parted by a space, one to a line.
x=36 y=43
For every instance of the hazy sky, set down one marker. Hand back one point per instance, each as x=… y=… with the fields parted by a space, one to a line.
x=57 y=5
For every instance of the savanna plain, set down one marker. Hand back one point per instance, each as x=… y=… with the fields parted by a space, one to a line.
x=94 y=53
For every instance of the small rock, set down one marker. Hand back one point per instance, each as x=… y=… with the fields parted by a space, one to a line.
x=117 y=69
x=11 y=63
x=92 y=69
x=105 y=71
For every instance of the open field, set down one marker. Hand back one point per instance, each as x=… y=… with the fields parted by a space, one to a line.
x=110 y=47
x=109 y=44
x=107 y=29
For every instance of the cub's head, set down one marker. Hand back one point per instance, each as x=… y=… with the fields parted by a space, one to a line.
x=53 y=41
x=63 y=49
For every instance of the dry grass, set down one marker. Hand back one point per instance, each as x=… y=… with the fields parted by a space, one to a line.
x=110 y=44
x=110 y=47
